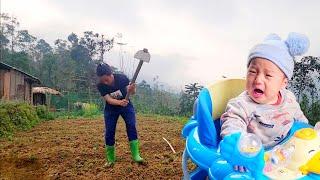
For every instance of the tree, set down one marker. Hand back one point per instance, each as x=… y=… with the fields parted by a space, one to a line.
x=3 y=40
x=61 y=46
x=50 y=70
x=306 y=76
x=312 y=112
x=104 y=45
x=89 y=41
x=9 y=30
x=20 y=60
x=25 y=41
x=305 y=84
x=96 y=44
x=73 y=39
x=14 y=39
x=43 y=47
x=188 y=97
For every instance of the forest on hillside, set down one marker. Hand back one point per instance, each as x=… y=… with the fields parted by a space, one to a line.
x=69 y=65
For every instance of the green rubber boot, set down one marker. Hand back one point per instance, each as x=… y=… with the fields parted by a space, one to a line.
x=110 y=156
x=134 y=147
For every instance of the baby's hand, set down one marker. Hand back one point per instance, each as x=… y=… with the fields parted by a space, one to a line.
x=230 y=152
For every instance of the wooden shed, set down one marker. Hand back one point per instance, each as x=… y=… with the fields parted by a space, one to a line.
x=16 y=85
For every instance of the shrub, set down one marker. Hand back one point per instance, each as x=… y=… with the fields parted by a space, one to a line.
x=43 y=113
x=14 y=115
x=6 y=125
x=90 y=110
x=311 y=110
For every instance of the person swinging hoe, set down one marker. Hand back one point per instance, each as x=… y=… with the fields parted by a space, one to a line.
x=115 y=90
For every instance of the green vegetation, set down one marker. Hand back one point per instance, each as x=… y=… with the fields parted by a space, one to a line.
x=188 y=98
x=182 y=119
x=16 y=116
x=43 y=113
x=305 y=84
x=22 y=116
x=311 y=110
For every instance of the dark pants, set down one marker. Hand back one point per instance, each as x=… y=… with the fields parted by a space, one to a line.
x=111 y=118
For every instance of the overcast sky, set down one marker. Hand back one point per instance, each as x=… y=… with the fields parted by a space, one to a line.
x=189 y=41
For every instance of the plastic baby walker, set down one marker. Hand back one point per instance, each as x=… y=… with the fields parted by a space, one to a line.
x=296 y=157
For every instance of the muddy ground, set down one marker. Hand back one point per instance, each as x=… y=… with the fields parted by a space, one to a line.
x=74 y=149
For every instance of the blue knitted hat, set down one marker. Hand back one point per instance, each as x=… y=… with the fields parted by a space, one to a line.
x=281 y=52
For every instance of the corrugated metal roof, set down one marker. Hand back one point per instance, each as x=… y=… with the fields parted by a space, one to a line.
x=7 y=66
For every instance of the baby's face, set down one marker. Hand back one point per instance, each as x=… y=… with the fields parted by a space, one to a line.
x=264 y=81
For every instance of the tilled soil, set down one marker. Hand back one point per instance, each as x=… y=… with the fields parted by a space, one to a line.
x=74 y=149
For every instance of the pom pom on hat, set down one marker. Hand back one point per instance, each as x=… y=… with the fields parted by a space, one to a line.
x=298 y=44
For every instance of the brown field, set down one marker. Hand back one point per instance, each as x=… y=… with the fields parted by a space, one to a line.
x=74 y=149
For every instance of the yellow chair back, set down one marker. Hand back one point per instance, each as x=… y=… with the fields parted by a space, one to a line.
x=222 y=91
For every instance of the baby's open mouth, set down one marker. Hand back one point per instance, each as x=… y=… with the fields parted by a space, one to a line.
x=257 y=92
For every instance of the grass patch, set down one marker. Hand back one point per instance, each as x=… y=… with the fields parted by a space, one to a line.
x=76 y=115
x=87 y=111
x=158 y=117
